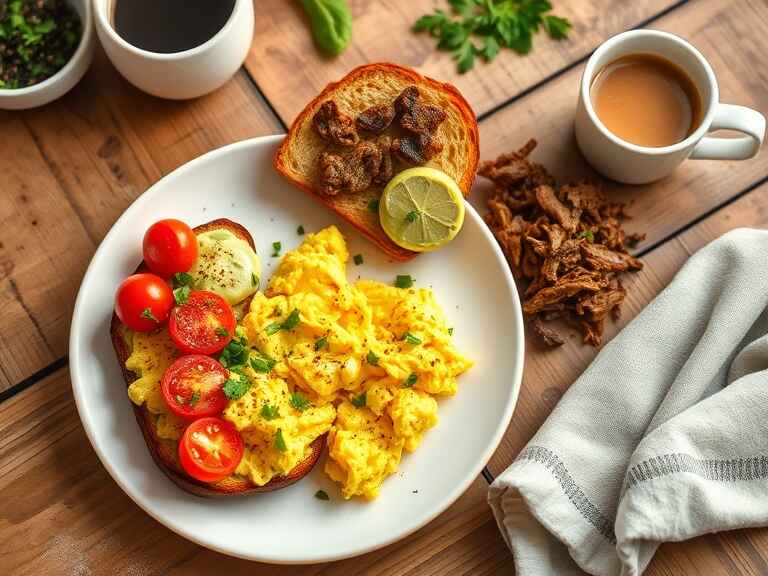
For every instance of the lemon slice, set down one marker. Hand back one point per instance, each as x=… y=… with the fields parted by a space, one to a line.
x=421 y=209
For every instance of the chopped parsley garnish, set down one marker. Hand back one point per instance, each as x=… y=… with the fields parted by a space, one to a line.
x=358 y=259
x=403 y=281
x=411 y=380
x=195 y=398
x=280 y=441
x=373 y=206
x=300 y=402
x=147 y=313
x=181 y=295
x=276 y=247
x=288 y=324
x=322 y=495
x=588 y=234
x=300 y=230
x=254 y=281
x=411 y=216
x=263 y=363
x=359 y=401
x=321 y=343
x=182 y=279
x=179 y=399
x=450 y=331
x=372 y=359
x=411 y=338
x=236 y=385
x=269 y=412
x=222 y=332
x=235 y=353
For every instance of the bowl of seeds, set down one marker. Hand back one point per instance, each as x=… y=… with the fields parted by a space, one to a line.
x=45 y=48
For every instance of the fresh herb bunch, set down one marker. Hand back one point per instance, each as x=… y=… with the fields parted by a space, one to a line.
x=482 y=27
x=37 y=38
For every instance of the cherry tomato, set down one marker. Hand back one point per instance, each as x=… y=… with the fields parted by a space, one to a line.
x=193 y=387
x=203 y=325
x=210 y=449
x=170 y=246
x=143 y=302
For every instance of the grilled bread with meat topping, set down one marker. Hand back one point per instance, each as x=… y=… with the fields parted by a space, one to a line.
x=349 y=120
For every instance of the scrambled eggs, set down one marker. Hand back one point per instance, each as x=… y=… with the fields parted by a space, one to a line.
x=362 y=362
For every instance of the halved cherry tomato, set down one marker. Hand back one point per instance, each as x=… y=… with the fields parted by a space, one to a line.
x=143 y=302
x=203 y=325
x=170 y=246
x=210 y=449
x=193 y=387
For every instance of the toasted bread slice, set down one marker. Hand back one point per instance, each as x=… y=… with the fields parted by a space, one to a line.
x=165 y=452
x=367 y=86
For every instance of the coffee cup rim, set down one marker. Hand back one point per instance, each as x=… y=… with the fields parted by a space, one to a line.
x=691 y=139
x=101 y=8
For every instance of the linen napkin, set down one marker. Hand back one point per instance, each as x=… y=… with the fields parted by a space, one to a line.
x=665 y=435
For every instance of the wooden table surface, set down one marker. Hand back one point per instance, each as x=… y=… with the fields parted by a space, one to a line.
x=69 y=169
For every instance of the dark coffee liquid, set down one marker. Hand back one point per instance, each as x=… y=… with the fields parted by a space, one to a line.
x=169 y=25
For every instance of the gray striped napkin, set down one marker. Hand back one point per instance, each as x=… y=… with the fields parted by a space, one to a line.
x=663 y=438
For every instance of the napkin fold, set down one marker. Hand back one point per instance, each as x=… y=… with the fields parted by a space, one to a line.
x=665 y=435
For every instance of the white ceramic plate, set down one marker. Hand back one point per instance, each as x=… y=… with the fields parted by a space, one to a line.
x=473 y=285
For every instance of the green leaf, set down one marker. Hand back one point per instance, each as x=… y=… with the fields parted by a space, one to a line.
x=300 y=402
x=147 y=314
x=465 y=57
x=450 y=331
x=45 y=26
x=288 y=324
x=557 y=27
x=181 y=295
x=195 y=398
x=280 y=441
x=358 y=259
x=269 y=412
x=463 y=7
x=182 y=279
x=235 y=353
x=490 y=48
x=254 y=280
x=322 y=495
x=359 y=401
x=236 y=385
x=300 y=230
x=410 y=338
x=321 y=343
x=276 y=247
x=588 y=234
x=221 y=332
x=373 y=206
x=403 y=281
x=410 y=381
x=263 y=363
x=331 y=22
x=372 y=358
x=432 y=23
x=412 y=216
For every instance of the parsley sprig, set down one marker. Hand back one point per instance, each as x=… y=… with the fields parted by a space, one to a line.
x=482 y=27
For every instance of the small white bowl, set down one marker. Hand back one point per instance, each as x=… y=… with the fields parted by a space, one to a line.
x=65 y=79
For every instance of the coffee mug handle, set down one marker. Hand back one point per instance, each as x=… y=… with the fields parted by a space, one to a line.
x=732 y=117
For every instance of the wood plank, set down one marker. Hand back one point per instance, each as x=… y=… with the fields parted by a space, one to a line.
x=548 y=374
x=697 y=186
x=382 y=32
x=63 y=514
x=68 y=170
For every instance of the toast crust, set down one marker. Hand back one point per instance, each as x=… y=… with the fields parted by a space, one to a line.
x=163 y=451
x=364 y=221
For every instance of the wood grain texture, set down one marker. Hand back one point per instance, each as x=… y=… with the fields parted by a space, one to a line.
x=382 y=32
x=61 y=513
x=697 y=186
x=68 y=170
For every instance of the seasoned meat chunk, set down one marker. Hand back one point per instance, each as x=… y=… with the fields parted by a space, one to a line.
x=376 y=119
x=335 y=126
x=368 y=162
x=385 y=169
x=417 y=149
x=416 y=117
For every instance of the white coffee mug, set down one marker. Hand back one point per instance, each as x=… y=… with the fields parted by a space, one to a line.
x=179 y=75
x=626 y=162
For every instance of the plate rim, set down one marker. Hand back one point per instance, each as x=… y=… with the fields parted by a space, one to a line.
x=444 y=503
